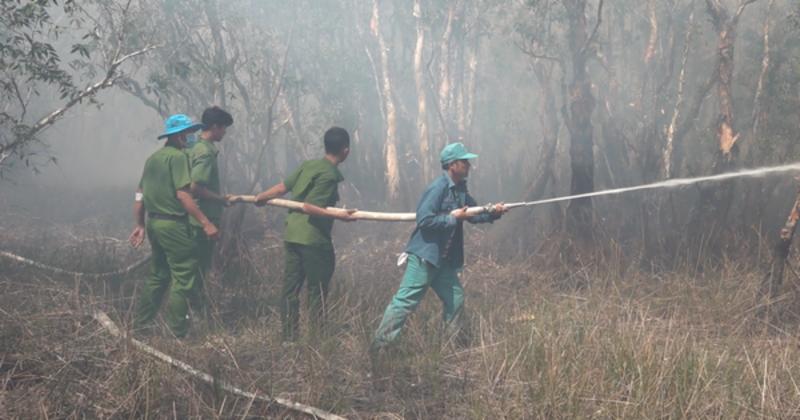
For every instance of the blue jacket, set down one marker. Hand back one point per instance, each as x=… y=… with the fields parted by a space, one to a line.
x=439 y=237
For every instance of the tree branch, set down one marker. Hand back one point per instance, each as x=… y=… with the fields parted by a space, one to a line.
x=22 y=102
x=529 y=51
x=134 y=88
x=107 y=81
x=593 y=37
x=52 y=117
x=743 y=5
x=717 y=12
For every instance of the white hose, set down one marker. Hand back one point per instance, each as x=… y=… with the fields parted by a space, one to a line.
x=56 y=270
x=359 y=214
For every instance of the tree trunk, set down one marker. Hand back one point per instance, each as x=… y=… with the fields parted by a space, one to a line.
x=445 y=84
x=422 y=100
x=579 y=123
x=652 y=42
x=220 y=59
x=726 y=26
x=470 y=87
x=390 y=145
x=727 y=135
x=688 y=124
x=548 y=120
x=753 y=195
x=765 y=63
x=771 y=285
x=669 y=144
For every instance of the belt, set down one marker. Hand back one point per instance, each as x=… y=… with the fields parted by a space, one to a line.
x=162 y=216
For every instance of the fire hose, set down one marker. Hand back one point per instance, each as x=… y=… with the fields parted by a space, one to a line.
x=360 y=214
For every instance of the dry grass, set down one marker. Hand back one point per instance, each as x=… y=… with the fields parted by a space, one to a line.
x=628 y=344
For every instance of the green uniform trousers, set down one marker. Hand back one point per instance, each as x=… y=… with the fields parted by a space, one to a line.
x=312 y=263
x=205 y=255
x=418 y=277
x=174 y=267
x=205 y=250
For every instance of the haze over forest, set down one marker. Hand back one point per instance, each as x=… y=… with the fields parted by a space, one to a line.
x=676 y=302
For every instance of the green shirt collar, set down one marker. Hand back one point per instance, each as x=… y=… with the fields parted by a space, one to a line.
x=211 y=146
x=339 y=177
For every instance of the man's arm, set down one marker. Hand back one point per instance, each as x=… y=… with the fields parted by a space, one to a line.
x=319 y=194
x=202 y=166
x=188 y=203
x=317 y=211
x=137 y=236
x=428 y=217
x=182 y=181
x=277 y=190
x=200 y=191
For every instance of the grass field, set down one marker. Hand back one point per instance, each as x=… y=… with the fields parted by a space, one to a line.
x=632 y=344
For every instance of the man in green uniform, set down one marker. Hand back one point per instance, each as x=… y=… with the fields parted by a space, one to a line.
x=164 y=194
x=307 y=240
x=435 y=251
x=205 y=182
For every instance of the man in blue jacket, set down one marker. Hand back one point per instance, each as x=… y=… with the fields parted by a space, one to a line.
x=435 y=252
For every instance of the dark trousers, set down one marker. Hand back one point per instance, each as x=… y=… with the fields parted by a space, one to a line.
x=314 y=265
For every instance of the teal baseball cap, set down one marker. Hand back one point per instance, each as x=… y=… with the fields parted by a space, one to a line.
x=178 y=123
x=455 y=151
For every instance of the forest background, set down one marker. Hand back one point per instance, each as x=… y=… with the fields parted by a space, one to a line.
x=556 y=96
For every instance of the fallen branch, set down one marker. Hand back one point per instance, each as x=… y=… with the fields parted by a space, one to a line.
x=57 y=270
x=112 y=328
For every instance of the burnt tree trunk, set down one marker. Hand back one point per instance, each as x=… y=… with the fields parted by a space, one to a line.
x=773 y=280
x=727 y=136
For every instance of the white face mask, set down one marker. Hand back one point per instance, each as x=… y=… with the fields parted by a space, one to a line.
x=191 y=139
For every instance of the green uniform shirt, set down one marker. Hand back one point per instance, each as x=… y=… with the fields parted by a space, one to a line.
x=165 y=172
x=314 y=182
x=203 y=161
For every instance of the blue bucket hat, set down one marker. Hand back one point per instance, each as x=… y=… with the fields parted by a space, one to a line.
x=178 y=123
x=455 y=151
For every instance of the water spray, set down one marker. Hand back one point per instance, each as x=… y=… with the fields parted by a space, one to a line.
x=670 y=183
